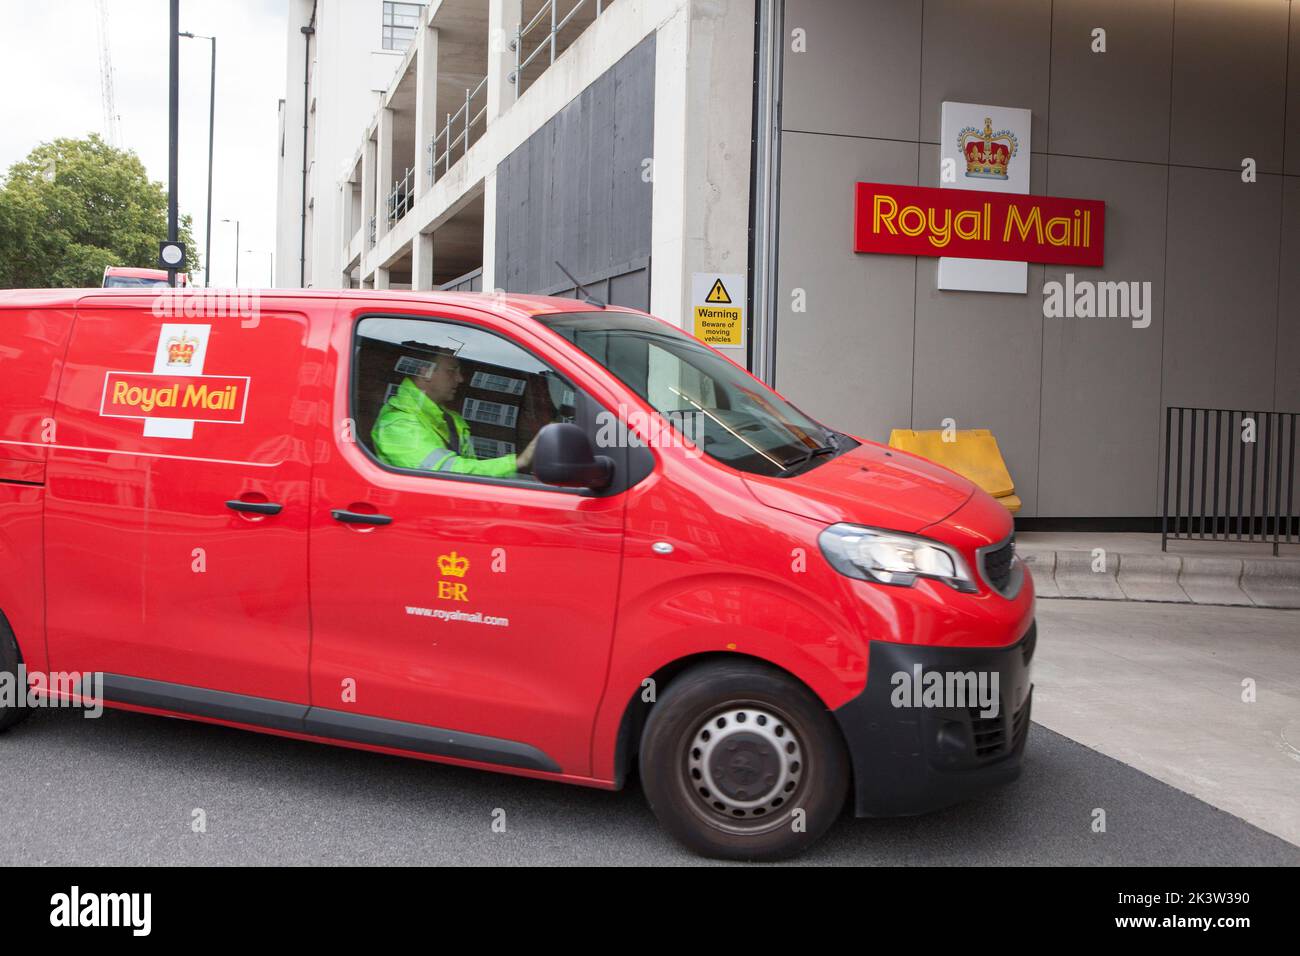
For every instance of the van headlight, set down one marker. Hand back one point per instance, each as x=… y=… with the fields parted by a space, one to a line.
x=888 y=557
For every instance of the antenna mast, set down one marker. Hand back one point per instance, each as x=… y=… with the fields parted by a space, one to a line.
x=111 y=119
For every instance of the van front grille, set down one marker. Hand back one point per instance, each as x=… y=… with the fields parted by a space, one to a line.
x=998 y=567
x=990 y=733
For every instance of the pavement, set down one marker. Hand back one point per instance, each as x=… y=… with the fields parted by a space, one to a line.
x=1205 y=699
x=1136 y=717
x=1132 y=567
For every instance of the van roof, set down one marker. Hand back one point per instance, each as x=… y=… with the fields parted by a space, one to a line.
x=510 y=305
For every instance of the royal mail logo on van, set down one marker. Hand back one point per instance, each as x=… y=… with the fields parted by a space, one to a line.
x=176 y=393
x=180 y=350
x=195 y=398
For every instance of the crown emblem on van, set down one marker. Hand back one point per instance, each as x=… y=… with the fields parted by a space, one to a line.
x=452 y=565
x=988 y=154
x=180 y=349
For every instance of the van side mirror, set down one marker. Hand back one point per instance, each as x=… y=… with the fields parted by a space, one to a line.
x=563 y=457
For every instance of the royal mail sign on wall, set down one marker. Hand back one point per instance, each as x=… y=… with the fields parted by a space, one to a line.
x=967 y=223
x=984 y=147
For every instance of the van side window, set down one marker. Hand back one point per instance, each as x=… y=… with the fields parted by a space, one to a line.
x=450 y=399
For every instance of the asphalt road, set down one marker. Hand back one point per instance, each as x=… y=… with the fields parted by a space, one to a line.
x=122 y=790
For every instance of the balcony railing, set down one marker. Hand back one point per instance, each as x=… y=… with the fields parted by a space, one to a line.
x=401 y=197
x=370 y=232
x=456 y=133
x=549 y=43
x=460 y=128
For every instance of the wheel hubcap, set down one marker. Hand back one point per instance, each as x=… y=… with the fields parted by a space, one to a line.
x=744 y=762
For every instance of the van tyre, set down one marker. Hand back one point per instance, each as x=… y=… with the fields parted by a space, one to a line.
x=9 y=660
x=741 y=762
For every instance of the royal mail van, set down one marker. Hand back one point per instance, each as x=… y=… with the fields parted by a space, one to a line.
x=524 y=534
x=127 y=277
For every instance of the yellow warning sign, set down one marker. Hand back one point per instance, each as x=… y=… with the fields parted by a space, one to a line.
x=718 y=294
x=718 y=325
x=718 y=307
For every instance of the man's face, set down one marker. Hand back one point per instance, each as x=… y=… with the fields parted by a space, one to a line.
x=445 y=380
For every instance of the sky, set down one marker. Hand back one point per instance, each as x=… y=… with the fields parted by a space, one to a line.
x=49 y=72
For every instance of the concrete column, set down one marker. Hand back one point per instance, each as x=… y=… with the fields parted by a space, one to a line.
x=348 y=216
x=490 y=231
x=345 y=213
x=504 y=18
x=669 y=285
x=702 y=131
x=426 y=103
x=383 y=171
x=368 y=190
x=381 y=278
x=422 y=262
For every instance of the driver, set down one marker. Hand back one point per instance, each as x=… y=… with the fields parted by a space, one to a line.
x=417 y=428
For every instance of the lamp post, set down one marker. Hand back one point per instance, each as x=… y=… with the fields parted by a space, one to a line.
x=258 y=252
x=236 y=222
x=173 y=116
x=212 y=115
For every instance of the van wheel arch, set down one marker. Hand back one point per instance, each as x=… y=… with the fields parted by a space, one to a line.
x=11 y=656
x=637 y=711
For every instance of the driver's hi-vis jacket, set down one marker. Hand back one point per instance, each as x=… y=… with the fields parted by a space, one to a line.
x=412 y=432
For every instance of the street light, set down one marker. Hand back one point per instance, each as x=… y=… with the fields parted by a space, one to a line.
x=236 y=222
x=173 y=125
x=212 y=114
x=258 y=252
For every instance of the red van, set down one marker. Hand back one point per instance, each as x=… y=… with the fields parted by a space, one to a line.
x=130 y=277
x=524 y=534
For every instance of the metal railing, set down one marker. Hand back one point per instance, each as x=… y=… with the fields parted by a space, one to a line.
x=460 y=128
x=1231 y=474
x=465 y=121
x=401 y=197
x=370 y=232
x=551 y=40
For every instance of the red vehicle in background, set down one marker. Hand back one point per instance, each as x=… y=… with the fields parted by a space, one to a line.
x=627 y=553
x=129 y=277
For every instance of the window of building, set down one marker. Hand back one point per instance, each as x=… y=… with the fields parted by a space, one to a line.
x=400 y=22
x=412 y=365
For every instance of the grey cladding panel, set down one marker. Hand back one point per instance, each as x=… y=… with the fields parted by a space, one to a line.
x=633 y=144
x=1229 y=84
x=600 y=179
x=574 y=191
x=858 y=71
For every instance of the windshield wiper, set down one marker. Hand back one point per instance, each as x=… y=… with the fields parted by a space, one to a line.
x=808 y=456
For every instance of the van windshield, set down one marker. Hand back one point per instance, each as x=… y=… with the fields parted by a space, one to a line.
x=132 y=282
x=731 y=416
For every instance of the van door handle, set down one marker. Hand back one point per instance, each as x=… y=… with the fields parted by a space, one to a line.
x=356 y=517
x=255 y=507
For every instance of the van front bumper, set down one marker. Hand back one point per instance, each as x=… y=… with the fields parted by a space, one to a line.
x=919 y=756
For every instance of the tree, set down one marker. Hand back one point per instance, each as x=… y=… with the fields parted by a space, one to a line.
x=74 y=206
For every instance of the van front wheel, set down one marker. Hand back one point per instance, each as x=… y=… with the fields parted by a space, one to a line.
x=15 y=712
x=740 y=762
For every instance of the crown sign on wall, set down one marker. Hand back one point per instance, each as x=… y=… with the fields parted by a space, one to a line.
x=987 y=153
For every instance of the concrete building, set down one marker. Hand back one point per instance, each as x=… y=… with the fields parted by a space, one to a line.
x=643 y=142
x=340 y=59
